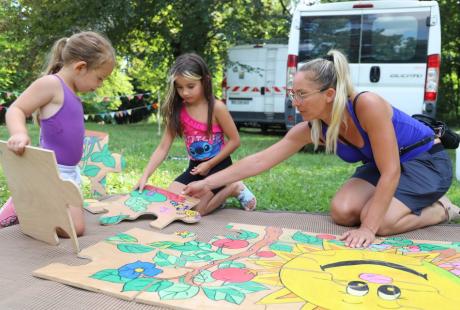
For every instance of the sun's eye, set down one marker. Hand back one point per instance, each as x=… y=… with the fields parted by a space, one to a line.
x=357 y=288
x=389 y=292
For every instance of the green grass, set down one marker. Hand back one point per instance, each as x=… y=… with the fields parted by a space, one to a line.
x=304 y=182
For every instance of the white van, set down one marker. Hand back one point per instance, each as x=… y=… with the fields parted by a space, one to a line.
x=393 y=48
x=255 y=89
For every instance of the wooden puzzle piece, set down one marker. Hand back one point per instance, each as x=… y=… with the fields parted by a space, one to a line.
x=41 y=198
x=97 y=161
x=165 y=205
x=243 y=271
x=120 y=266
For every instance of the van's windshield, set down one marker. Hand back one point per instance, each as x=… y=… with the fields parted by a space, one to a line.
x=389 y=38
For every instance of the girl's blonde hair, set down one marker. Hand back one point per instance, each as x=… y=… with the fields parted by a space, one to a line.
x=88 y=46
x=331 y=72
x=193 y=67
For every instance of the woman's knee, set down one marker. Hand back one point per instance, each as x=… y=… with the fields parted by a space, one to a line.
x=344 y=213
x=385 y=230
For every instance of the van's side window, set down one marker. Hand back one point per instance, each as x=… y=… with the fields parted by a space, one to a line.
x=395 y=38
x=319 y=34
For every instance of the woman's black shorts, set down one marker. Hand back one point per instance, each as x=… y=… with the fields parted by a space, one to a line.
x=424 y=179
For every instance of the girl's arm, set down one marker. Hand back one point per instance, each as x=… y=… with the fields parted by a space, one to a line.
x=375 y=116
x=37 y=95
x=157 y=157
x=224 y=119
x=255 y=164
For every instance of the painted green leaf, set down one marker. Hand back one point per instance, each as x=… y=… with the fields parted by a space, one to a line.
x=210 y=255
x=104 y=157
x=398 y=241
x=159 y=285
x=192 y=246
x=134 y=248
x=137 y=285
x=109 y=161
x=88 y=147
x=137 y=204
x=203 y=277
x=178 y=291
x=109 y=275
x=224 y=293
x=110 y=220
x=162 y=259
x=190 y=258
x=248 y=287
x=430 y=247
x=122 y=238
x=278 y=246
x=243 y=235
x=232 y=264
x=181 y=262
x=304 y=238
x=247 y=235
x=164 y=244
x=90 y=170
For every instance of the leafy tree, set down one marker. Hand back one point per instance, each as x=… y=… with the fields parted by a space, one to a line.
x=449 y=88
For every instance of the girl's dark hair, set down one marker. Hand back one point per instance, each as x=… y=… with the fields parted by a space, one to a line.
x=190 y=66
x=90 y=47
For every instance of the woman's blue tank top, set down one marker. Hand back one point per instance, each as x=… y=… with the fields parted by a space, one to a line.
x=408 y=131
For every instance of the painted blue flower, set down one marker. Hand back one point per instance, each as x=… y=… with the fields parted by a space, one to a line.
x=136 y=269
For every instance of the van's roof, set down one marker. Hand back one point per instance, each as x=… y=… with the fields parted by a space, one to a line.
x=377 y=4
x=249 y=46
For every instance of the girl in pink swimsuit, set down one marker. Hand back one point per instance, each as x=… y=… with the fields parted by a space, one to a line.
x=191 y=112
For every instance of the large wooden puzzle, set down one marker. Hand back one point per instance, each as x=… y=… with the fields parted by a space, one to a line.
x=97 y=161
x=41 y=198
x=267 y=268
x=165 y=205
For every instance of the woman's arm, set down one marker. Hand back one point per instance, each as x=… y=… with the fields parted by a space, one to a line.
x=257 y=163
x=224 y=119
x=157 y=157
x=375 y=116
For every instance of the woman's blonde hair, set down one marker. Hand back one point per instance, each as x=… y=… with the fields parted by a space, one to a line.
x=331 y=72
x=88 y=46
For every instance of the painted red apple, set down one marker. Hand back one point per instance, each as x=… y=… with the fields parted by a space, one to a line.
x=265 y=254
x=230 y=244
x=233 y=274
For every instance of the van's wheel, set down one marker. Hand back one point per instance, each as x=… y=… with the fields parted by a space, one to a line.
x=264 y=128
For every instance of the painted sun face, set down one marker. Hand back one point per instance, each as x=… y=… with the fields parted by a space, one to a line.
x=351 y=279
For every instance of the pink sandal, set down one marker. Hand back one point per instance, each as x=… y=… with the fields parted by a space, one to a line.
x=8 y=215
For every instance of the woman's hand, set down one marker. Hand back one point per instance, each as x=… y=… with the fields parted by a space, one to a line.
x=201 y=169
x=357 y=238
x=196 y=189
x=141 y=183
x=17 y=143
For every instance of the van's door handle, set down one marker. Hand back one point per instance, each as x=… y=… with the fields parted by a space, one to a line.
x=262 y=90
x=374 y=75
